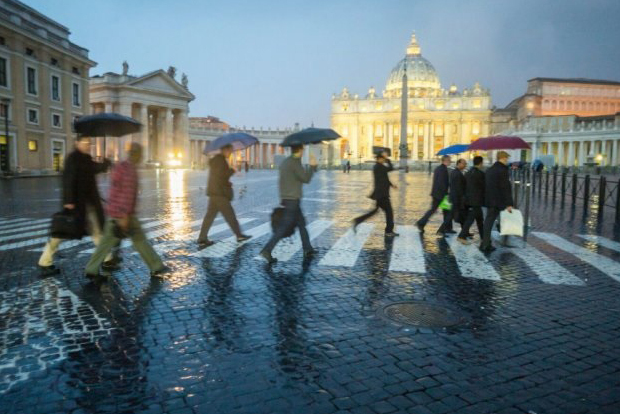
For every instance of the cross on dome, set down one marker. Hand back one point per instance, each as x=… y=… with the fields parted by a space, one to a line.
x=414 y=47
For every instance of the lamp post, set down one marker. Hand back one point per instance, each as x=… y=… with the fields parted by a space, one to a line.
x=6 y=165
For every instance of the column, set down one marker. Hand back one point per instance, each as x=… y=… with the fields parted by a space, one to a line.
x=582 y=153
x=110 y=144
x=426 y=127
x=390 y=136
x=431 y=150
x=167 y=137
x=182 y=136
x=144 y=139
x=447 y=134
x=371 y=141
x=123 y=142
x=260 y=155
x=485 y=129
x=571 y=154
x=614 y=153
x=415 y=156
x=459 y=133
x=560 y=153
x=446 y=142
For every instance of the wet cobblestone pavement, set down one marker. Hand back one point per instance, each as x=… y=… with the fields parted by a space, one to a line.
x=538 y=330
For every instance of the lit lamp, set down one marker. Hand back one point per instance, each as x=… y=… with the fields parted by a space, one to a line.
x=6 y=166
x=599 y=158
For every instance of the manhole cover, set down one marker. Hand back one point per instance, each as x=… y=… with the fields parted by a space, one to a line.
x=420 y=314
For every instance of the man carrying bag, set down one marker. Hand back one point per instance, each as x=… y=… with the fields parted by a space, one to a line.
x=441 y=186
x=498 y=197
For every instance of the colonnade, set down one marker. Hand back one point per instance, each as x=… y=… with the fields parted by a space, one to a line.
x=578 y=152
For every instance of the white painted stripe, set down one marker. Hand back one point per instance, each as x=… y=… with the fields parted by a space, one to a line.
x=32 y=227
x=17 y=220
x=547 y=270
x=318 y=200
x=602 y=241
x=347 y=249
x=407 y=252
x=602 y=263
x=286 y=249
x=228 y=245
x=24 y=243
x=18 y=235
x=471 y=261
x=328 y=191
x=24 y=222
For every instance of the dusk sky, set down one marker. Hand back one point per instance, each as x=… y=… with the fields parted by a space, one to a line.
x=274 y=63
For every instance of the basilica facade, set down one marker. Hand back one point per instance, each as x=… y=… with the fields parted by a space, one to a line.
x=435 y=117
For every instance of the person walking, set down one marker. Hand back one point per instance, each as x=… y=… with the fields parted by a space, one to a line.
x=497 y=195
x=292 y=177
x=381 y=195
x=220 y=192
x=348 y=167
x=457 y=191
x=474 y=200
x=441 y=185
x=80 y=195
x=123 y=222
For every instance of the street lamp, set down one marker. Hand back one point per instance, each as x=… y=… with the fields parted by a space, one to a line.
x=6 y=163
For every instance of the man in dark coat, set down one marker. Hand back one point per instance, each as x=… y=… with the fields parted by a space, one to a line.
x=80 y=194
x=381 y=194
x=457 y=191
x=497 y=195
x=474 y=200
x=220 y=192
x=441 y=185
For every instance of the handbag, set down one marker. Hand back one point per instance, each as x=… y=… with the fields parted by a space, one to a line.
x=276 y=219
x=66 y=225
x=511 y=224
x=445 y=204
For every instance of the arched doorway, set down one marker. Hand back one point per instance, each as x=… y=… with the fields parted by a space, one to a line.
x=344 y=149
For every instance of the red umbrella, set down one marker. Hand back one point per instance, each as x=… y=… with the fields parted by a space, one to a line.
x=498 y=142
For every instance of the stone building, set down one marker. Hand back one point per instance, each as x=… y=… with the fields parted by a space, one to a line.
x=44 y=84
x=435 y=117
x=155 y=99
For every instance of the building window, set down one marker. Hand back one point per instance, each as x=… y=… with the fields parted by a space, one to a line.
x=54 y=62
x=477 y=103
x=33 y=116
x=33 y=145
x=55 y=88
x=3 y=111
x=29 y=52
x=56 y=120
x=76 y=94
x=2 y=41
x=75 y=70
x=4 y=79
x=31 y=79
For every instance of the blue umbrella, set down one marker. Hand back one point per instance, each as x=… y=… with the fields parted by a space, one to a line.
x=238 y=140
x=310 y=136
x=453 y=149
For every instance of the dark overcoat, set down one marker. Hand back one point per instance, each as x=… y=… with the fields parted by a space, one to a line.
x=474 y=188
x=382 y=181
x=441 y=182
x=497 y=189
x=219 y=178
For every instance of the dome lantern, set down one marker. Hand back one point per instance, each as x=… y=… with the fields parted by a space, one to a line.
x=414 y=48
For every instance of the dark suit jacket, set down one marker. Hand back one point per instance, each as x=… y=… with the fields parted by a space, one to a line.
x=219 y=178
x=382 y=182
x=474 y=190
x=498 y=191
x=457 y=189
x=441 y=182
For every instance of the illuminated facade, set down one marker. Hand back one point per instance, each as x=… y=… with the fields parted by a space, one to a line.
x=436 y=117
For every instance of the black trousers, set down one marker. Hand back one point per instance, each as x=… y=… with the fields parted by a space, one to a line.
x=489 y=220
x=293 y=216
x=473 y=214
x=447 y=216
x=218 y=204
x=384 y=204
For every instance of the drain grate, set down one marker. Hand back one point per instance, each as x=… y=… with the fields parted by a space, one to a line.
x=420 y=314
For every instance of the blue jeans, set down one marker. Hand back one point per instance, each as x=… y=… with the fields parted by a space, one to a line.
x=293 y=217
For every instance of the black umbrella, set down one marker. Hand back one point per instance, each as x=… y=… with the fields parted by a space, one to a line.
x=310 y=136
x=106 y=124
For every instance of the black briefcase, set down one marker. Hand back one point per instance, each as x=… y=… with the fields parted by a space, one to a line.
x=276 y=219
x=66 y=225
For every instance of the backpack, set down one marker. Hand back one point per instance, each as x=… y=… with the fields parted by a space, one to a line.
x=276 y=218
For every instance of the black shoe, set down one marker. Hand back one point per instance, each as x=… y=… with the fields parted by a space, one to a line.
x=160 y=273
x=309 y=253
x=450 y=232
x=110 y=266
x=243 y=238
x=391 y=234
x=267 y=256
x=205 y=244
x=47 y=271
x=441 y=233
x=419 y=226
x=487 y=250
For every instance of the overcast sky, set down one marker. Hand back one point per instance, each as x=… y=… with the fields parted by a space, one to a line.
x=274 y=63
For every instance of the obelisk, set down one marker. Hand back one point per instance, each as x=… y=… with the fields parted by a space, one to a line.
x=403 y=122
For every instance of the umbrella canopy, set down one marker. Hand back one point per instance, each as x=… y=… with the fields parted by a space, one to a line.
x=453 y=149
x=238 y=140
x=106 y=124
x=310 y=136
x=498 y=142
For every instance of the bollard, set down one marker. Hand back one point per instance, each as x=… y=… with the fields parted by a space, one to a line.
x=574 y=190
x=515 y=200
x=526 y=217
x=533 y=181
x=540 y=180
x=563 y=189
x=618 y=203
x=602 y=184
x=429 y=167
x=586 y=192
x=555 y=184
x=547 y=184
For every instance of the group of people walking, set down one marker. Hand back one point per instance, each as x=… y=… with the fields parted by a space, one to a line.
x=467 y=192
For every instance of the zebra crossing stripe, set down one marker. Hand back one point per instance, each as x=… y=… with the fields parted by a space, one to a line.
x=24 y=235
x=24 y=243
x=22 y=222
x=318 y=200
x=228 y=245
x=602 y=241
x=407 y=252
x=287 y=248
x=471 y=262
x=600 y=262
x=347 y=249
x=17 y=220
x=32 y=227
x=547 y=270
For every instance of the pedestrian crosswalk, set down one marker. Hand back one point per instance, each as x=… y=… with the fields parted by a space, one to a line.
x=407 y=253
